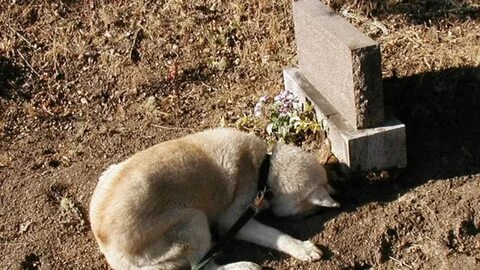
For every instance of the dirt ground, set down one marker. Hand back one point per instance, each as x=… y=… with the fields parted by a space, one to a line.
x=84 y=84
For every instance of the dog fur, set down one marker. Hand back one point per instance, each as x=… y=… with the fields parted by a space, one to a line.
x=154 y=210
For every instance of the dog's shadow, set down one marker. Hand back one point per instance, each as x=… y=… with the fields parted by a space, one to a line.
x=441 y=112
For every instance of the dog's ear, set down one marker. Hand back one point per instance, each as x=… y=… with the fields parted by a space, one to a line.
x=322 y=198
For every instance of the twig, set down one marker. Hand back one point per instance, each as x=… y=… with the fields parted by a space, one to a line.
x=435 y=226
x=47 y=110
x=401 y=263
x=22 y=37
x=211 y=87
x=134 y=54
x=146 y=31
x=420 y=45
x=173 y=128
x=28 y=64
x=14 y=244
x=380 y=26
x=375 y=23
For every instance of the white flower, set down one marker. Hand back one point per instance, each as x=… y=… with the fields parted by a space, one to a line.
x=263 y=99
x=270 y=129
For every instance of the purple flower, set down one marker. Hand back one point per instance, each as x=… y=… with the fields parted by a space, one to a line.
x=257 y=111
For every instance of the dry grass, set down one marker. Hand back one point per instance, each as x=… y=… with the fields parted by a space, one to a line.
x=84 y=49
x=419 y=36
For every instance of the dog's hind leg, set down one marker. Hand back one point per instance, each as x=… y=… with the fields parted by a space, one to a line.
x=172 y=241
x=191 y=240
x=193 y=237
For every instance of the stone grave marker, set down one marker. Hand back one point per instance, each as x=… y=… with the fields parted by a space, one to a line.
x=340 y=73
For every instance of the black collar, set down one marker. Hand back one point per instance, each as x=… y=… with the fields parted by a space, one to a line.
x=263 y=193
x=263 y=177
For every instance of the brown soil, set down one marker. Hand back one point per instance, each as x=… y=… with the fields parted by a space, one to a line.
x=84 y=84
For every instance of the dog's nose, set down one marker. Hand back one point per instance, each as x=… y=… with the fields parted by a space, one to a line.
x=336 y=204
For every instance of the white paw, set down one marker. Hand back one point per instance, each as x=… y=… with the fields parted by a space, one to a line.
x=307 y=251
x=240 y=266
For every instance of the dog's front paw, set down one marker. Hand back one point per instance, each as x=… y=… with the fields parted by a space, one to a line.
x=240 y=266
x=307 y=251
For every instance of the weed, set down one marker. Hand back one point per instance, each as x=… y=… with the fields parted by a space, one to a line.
x=288 y=119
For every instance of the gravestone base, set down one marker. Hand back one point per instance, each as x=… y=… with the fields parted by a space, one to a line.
x=379 y=148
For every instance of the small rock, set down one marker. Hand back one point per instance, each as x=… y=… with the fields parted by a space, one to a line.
x=150 y=104
x=24 y=227
x=102 y=129
x=66 y=204
x=37 y=165
x=222 y=64
x=81 y=131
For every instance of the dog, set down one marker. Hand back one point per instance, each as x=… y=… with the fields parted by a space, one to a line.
x=154 y=210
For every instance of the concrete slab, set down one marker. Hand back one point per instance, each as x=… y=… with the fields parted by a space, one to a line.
x=360 y=149
x=342 y=60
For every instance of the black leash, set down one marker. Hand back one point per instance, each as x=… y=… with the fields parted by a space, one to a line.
x=262 y=194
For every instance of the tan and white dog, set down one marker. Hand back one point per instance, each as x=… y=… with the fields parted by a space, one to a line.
x=154 y=210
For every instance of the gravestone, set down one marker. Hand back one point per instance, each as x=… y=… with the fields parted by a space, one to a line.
x=340 y=73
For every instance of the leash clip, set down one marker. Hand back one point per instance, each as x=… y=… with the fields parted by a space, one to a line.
x=260 y=198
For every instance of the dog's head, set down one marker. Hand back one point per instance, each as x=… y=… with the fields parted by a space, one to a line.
x=298 y=182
